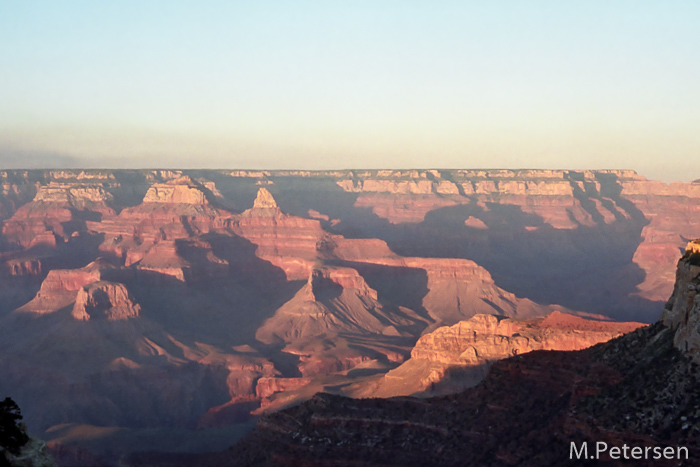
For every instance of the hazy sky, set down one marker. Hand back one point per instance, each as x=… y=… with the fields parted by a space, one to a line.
x=354 y=83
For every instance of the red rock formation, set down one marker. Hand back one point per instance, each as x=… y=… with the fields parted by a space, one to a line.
x=182 y=190
x=264 y=200
x=178 y=209
x=401 y=208
x=674 y=217
x=23 y=267
x=104 y=300
x=459 y=289
x=74 y=279
x=362 y=303
x=549 y=194
x=55 y=212
x=61 y=286
x=450 y=359
x=288 y=242
x=162 y=258
x=334 y=300
x=456 y=288
x=528 y=412
x=245 y=372
x=682 y=312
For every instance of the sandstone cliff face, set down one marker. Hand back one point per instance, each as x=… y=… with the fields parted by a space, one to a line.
x=22 y=267
x=57 y=210
x=104 y=300
x=264 y=200
x=79 y=196
x=146 y=234
x=452 y=358
x=554 y=195
x=682 y=312
x=182 y=190
x=674 y=218
x=178 y=204
x=287 y=242
x=514 y=217
x=455 y=289
x=401 y=208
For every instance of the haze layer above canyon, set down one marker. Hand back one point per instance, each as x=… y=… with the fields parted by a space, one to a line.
x=189 y=299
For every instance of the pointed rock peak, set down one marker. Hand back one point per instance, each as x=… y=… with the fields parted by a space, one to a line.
x=264 y=200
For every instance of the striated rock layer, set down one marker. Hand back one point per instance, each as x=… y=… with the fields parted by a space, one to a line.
x=452 y=358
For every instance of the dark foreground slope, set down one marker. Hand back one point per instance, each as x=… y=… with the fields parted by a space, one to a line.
x=638 y=390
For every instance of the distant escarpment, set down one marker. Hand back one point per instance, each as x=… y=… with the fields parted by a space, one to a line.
x=540 y=233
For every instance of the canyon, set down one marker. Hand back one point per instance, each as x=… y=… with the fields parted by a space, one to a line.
x=193 y=301
x=637 y=390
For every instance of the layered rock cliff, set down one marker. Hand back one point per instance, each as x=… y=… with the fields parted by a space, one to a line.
x=56 y=212
x=682 y=312
x=453 y=358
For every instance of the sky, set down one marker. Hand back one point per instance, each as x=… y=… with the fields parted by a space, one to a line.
x=352 y=84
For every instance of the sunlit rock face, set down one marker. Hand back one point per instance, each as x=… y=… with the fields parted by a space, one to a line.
x=682 y=312
x=452 y=358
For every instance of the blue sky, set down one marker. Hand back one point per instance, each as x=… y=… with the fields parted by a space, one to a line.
x=341 y=84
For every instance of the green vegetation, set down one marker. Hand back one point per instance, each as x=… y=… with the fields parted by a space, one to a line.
x=12 y=434
x=17 y=449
